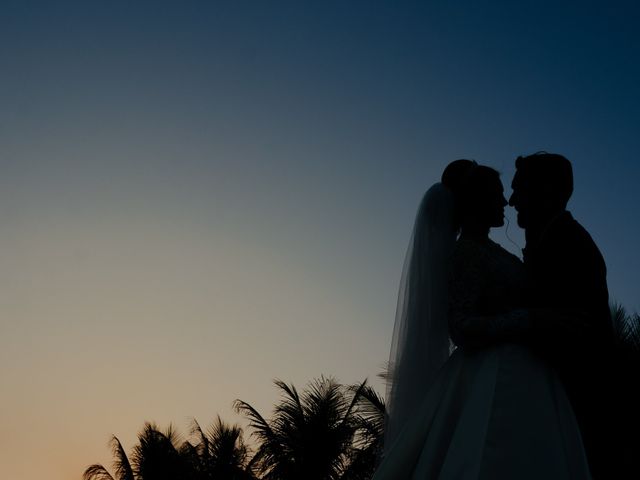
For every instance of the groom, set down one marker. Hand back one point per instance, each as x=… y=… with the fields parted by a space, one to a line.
x=566 y=318
x=567 y=298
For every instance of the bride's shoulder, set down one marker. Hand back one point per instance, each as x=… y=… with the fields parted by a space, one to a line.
x=468 y=252
x=472 y=252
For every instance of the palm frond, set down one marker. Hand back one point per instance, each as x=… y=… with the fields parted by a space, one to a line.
x=290 y=410
x=357 y=391
x=370 y=403
x=122 y=465
x=172 y=435
x=157 y=453
x=626 y=328
x=386 y=373
x=202 y=447
x=227 y=445
x=96 y=472
x=256 y=421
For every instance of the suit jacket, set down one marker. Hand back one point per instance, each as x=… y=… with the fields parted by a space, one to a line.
x=567 y=279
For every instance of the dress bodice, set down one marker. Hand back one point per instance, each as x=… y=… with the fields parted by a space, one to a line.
x=485 y=280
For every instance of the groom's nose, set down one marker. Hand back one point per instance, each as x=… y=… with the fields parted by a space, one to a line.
x=511 y=200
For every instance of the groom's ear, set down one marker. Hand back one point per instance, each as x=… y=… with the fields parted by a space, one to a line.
x=546 y=174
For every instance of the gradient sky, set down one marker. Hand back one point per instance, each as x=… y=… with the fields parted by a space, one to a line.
x=199 y=197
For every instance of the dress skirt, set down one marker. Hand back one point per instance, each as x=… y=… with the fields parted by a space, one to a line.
x=495 y=414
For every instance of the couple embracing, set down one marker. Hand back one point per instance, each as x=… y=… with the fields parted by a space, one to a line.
x=496 y=368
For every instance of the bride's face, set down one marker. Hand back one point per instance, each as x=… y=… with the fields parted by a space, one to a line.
x=490 y=204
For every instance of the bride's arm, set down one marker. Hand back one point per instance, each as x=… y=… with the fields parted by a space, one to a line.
x=478 y=331
x=469 y=325
x=551 y=330
x=464 y=293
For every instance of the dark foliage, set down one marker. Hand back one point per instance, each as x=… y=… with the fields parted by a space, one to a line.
x=309 y=436
x=331 y=431
x=625 y=372
x=219 y=454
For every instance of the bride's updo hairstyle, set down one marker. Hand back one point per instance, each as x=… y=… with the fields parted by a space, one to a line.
x=467 y=180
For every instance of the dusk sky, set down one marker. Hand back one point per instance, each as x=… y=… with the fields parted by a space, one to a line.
x=199 y=197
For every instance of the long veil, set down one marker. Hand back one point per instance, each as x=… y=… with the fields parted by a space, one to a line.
x=421 y=344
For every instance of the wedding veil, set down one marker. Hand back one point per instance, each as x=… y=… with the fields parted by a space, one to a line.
x=420 y=344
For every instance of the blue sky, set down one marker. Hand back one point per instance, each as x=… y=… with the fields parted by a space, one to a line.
x=198 y=197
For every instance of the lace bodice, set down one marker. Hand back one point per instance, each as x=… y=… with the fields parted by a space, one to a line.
x=486 y=281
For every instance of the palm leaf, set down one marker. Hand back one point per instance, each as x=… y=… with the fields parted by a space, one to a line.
x=157 y=454
x=96 y=472
x=122 y=465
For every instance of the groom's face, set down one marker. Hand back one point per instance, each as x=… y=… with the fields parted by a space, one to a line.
x=522 y=199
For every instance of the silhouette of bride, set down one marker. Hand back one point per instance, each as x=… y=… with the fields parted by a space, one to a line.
x=464 y=400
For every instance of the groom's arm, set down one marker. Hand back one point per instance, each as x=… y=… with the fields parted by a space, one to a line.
x=563 y=330
x=568 y=294
x=480 y=331
x=545 y=328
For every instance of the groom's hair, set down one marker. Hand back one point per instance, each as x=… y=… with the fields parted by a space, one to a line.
x=551 y=170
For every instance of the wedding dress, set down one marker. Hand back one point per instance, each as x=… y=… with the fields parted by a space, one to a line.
x=494 y=413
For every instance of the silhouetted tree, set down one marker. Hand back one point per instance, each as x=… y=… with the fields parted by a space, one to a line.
x=627 y=332
x=626 y=374
x=330 y=431
x=310 y=436
x=157 y=455
x=366 y=450
x=220 y=453
x=121 y=465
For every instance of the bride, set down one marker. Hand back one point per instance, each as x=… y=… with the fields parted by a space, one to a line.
x=459 y=409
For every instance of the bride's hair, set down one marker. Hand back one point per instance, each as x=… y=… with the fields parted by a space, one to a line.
x=466 y=179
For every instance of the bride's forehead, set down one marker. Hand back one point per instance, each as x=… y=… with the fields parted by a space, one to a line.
x=489 y=186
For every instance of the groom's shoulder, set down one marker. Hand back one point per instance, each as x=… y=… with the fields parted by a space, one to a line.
x=578 y=236
x=572 y=227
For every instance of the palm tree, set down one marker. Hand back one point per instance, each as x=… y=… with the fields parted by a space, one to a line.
x=220 y=452
x=627 y=331
x=626 y=375
x=155 y=457
x=370 y=415
x=121 y=464
x=309 y=435
x=158 y=455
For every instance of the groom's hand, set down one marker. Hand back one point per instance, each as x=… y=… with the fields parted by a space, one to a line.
x=478 y=332
x=561 y=328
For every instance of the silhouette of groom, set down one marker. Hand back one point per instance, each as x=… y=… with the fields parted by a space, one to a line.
x=567 y=298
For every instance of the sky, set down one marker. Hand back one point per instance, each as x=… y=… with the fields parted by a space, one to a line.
x=199 y=197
